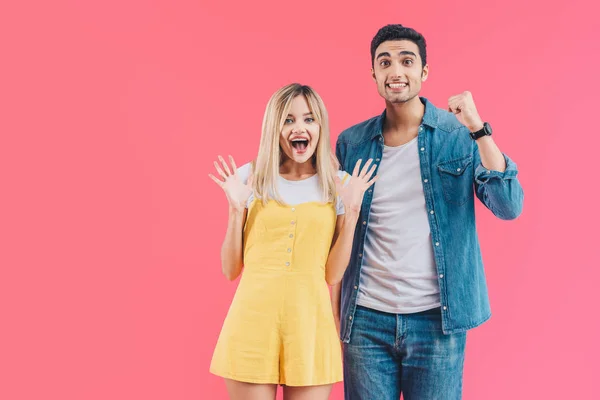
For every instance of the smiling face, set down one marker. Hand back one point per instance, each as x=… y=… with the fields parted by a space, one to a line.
x=300 y=134
x=398 y=71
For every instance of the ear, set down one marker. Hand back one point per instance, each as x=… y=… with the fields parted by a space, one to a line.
x=373 y=75
x=425 y=73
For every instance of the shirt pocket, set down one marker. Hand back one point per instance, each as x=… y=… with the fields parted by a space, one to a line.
x=457 y=179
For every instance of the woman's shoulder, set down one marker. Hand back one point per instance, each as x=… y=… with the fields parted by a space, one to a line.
x=343 y=175
x=244 y=171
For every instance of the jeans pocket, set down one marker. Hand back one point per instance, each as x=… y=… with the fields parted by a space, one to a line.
x=457 y=179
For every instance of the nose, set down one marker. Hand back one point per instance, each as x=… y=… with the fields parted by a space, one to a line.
x=397 y=70
x=298 y=128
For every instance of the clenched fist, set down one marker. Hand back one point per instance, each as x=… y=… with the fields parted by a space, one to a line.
x=463 y=106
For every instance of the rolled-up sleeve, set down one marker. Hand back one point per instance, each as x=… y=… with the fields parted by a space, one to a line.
x=500 y=192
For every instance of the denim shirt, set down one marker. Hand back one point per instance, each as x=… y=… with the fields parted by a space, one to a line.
x=452 y=175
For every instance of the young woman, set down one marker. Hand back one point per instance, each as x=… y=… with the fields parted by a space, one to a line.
x=286 y=210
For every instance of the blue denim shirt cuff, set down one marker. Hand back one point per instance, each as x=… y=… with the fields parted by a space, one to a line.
x=482 y=174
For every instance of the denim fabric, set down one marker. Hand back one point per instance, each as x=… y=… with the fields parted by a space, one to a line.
x=389 y=354
x=452 y=176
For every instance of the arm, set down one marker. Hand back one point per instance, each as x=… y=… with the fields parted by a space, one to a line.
x=351 y=195
x=499 y=191
x=232 y=259
x=491 y=156
x=495 y=176
x=336 y=293
x=339 y=256
x=238 y=192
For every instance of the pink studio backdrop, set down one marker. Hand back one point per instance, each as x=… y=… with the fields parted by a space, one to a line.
x=112 y=112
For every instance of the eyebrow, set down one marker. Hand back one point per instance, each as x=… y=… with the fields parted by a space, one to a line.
x=402 y=53
x=304 y=115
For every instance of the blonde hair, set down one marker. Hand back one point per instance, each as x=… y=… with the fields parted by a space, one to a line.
x=266 y=166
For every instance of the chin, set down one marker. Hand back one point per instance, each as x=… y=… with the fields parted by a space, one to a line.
x=302 y=160
x=399 y=99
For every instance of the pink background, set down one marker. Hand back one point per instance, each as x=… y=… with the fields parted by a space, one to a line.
x=112 y=112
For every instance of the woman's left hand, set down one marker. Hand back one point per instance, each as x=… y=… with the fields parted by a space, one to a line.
x=352 y=193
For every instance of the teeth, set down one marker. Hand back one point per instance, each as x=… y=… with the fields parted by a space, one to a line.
x=299 y=140
x=397 y=85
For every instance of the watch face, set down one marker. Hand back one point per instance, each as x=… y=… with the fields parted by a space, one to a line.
x=488 y=128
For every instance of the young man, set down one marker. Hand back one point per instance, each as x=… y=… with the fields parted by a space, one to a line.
x=415 y=283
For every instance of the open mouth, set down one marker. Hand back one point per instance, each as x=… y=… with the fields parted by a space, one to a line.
x=300 y=144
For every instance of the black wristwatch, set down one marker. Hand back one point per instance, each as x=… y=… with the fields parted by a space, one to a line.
x=485 y=131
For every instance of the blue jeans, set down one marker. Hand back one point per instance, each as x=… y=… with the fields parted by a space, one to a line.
x=389 y=354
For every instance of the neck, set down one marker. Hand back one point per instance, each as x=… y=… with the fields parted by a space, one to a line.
x=292 y=169
x=402 y=121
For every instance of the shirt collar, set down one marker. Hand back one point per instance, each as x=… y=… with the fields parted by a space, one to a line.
x=430 y=118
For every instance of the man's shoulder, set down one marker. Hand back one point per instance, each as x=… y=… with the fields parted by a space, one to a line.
x=447 y=128
x=447 y=121
x=360 y=132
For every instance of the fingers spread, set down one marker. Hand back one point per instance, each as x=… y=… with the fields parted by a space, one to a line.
x=220 y=183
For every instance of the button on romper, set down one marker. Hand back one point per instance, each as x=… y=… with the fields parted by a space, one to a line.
x=280 y=327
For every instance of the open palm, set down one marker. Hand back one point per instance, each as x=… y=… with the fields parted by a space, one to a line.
x=235 y=189
x=352 y=193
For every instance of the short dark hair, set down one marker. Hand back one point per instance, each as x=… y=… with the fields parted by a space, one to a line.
x=399 y=32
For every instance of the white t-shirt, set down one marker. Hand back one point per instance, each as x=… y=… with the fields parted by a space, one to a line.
x=399 y=274
x=297 y=192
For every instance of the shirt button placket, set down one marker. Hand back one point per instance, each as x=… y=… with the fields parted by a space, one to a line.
x=291 y=236
x=432 y=212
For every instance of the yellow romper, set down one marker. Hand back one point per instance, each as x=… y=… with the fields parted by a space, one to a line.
x=280 y=327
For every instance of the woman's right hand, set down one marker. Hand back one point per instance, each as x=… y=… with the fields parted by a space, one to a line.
x=235 y=189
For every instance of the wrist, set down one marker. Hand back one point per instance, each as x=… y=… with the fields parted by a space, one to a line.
x=475 y=126
x=235 y=212
x=484 y=140
x=351 y=216
x=485 y=130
